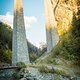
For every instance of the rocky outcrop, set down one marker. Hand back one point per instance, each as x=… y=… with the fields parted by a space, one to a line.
x=64 y=13
x=34 y=74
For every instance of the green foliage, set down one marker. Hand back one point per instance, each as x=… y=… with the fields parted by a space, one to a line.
x=33 y=57
x=5 y=55
x=45 y=69
x=21 y=64
x=6 y=35
x=5 y=43
x=57 y=78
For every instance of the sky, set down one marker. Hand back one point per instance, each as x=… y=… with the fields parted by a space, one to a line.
x=33 y=16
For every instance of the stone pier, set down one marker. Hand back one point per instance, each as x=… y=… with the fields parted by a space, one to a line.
x=19 y=45
x=51 y=31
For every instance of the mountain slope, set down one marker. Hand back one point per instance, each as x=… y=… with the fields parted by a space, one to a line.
x=6 y=45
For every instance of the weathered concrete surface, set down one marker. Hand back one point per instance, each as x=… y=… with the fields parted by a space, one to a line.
x=19 y=45
x=51 y=31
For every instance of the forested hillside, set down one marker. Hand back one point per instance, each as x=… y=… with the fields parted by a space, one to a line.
x=6 y=45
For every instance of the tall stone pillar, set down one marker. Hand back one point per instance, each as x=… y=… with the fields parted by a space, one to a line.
x=19 y=44
x=51 y=31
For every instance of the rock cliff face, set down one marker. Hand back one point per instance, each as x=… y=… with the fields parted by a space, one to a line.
x=64 y=11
